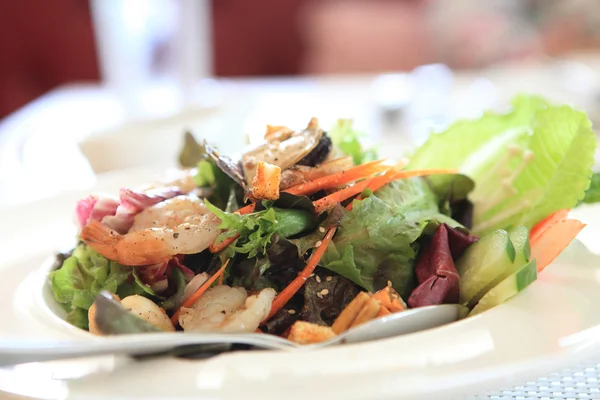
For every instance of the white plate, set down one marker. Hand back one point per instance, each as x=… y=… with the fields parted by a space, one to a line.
x=550 y=325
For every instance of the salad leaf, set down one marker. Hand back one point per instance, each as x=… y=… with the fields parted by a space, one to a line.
x=192 y=151
x=81 y=277
x=179 y=281
x=435 y=270
x=218 y=184
x=376 y=240
x=324 y=309
x=526 y=164
x=257 y=229
x=592 y=195
x=346 y=138
x=231 y=168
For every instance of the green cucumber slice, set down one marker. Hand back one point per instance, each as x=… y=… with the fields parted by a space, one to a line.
x=508 y=288
x=482 y=263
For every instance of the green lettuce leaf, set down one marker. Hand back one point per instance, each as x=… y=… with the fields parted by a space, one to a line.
x=526 y=164
x=377 y=240
x=592 y=195
x=347 y=139
x=81 y=277
x=257 y=229
x=219 y=187
x=192 y=152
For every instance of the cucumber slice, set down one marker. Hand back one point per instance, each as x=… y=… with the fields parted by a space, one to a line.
x=508 y=288
x=519 y=237
x=482 y=262
x=479 y=275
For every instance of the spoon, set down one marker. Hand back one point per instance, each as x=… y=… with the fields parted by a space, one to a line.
x=20 y=351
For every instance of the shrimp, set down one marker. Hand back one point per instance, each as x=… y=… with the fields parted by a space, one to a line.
x=227 y=309
x=181 y=225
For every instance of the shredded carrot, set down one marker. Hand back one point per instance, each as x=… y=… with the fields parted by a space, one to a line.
x=217 y=247
x=247 y=209
x=547 y=245
x=391 y=174
x=221 y=279
x=383 y=312
x=290 y=290
x=384 y=297
x=361 y=171
x=192 y=299
x=544 y=224
x=339 y=196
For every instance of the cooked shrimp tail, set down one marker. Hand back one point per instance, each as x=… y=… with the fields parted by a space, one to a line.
x=130 y=249
x=100 y=238
x=181 y=225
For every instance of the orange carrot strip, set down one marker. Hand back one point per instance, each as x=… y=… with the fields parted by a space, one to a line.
x=553 y=240
x=383 y=312
x=339 y=196
x=247 y=209
x=217 y=247
x=192 y=299
x=541 y=226
x=397 y=305
x=384 y=297
x=290 y=290
x=392 y=175
x=334 y=180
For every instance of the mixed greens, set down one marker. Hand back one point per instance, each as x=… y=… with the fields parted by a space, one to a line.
x=310 y=233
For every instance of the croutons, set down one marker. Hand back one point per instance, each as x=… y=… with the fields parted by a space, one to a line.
x=308 y=333
x=265 y=184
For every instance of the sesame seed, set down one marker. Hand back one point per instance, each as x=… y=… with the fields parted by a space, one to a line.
x=318 y=243
x=292 y=312
x=324 y=292
x=319 y=295
x=329 y=278
x=389 y=283
x=321 y=229
x=311 y=275
x=318 y=278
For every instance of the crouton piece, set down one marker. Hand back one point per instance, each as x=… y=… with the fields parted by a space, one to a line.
x=308 y=333
x=278 y=132
x=265 y=185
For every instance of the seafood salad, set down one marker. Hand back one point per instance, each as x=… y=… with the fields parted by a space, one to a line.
x=310 y=233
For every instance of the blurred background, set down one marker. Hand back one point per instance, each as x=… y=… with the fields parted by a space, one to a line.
x=112 y=84
x=44 y=47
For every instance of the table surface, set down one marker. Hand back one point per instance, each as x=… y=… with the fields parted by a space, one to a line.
x=43 y=146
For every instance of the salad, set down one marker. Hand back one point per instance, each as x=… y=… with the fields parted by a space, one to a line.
x=309 y=233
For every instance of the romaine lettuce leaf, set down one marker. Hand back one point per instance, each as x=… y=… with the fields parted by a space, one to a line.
x=377 y=239
x=592 y=195
x=526 y=164
x=81 y=277
x=346 y=138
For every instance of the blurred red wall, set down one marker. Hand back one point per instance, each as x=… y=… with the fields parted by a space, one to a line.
x=46 y=43
x=42 y=45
